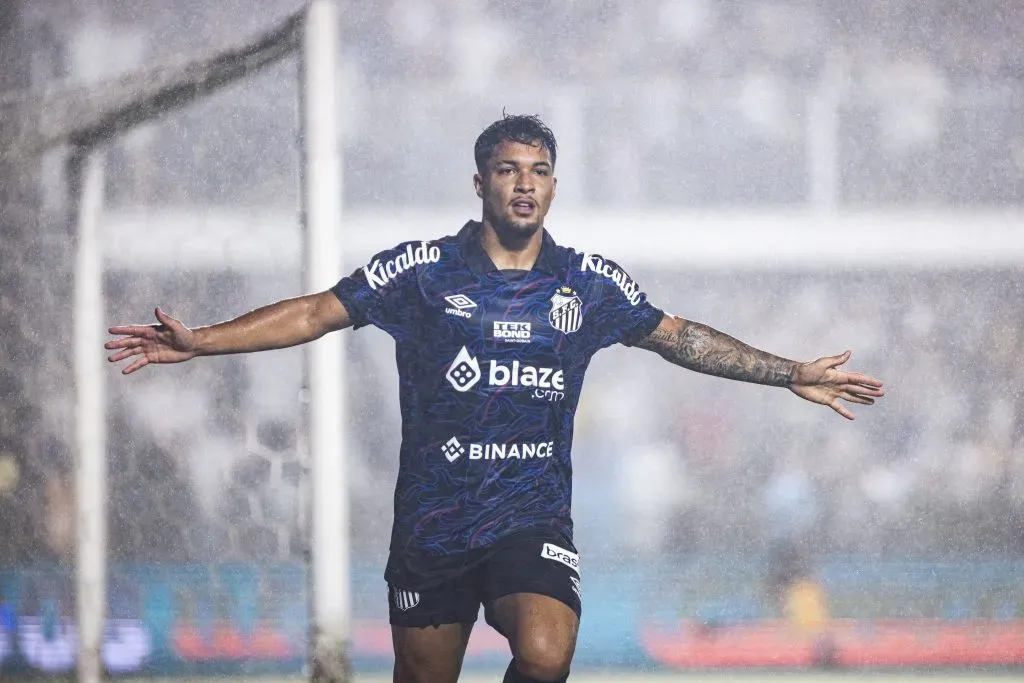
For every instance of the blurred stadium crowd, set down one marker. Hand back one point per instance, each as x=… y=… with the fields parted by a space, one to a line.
x=937 y=471
x=670 y=465
x=695 y=104
x=686 y=466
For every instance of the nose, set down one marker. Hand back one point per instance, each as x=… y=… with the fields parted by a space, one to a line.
x=524 y=183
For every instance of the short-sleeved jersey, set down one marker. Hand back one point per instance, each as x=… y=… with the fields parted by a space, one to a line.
x=490 y=367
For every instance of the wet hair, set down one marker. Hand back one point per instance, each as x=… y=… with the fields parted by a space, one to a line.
x=526 y=129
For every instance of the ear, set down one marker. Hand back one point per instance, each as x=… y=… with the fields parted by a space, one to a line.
x=554 y=187
x=478 y=185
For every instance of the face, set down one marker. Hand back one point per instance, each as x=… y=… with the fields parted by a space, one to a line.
x=517 y=188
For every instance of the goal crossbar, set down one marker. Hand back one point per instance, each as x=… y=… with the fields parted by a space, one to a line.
x=38 y=121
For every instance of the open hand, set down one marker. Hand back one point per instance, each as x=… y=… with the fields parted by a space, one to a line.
x=167 y=342
x=821 y=381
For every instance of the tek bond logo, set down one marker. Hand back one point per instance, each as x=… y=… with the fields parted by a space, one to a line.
x=513 y=332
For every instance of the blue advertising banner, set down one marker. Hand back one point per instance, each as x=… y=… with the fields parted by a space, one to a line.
x=236 y=619
x=162 y=620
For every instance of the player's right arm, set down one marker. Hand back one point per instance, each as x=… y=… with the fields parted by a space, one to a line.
x=279 y=325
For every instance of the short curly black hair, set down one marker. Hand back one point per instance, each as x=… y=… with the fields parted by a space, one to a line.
x=527 y=129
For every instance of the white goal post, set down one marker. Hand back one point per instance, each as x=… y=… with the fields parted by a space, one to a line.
x=321 y=196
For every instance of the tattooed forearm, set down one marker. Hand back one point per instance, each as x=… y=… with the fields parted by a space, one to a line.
x=703 y=349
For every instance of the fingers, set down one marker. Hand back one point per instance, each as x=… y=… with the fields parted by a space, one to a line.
x=133 y=330
x=137 y=365
x=855 y=388
x=857 y=398
x=858 y=383
x=125 y=343
x=858 y=378
x=166 y=320
x=126 y=353
x=841 y=409
x=836 y=361
x=147 y=331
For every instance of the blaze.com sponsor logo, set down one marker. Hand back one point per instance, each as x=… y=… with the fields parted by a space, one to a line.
x=547 y=384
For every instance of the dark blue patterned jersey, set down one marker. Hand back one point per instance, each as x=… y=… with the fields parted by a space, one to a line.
x=490 y=367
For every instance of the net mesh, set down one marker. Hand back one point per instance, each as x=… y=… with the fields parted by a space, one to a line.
x=154 y=512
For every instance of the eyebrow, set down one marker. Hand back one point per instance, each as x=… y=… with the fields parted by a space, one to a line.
x=512 y=162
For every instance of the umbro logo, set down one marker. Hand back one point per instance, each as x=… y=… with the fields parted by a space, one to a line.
x=460 y=301
x=460 y=305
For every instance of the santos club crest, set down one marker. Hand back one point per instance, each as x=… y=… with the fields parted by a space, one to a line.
x=566 y=310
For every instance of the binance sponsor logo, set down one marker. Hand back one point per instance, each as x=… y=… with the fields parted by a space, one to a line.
x=453 y=449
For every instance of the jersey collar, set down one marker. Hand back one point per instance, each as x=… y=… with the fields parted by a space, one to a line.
x=480 y=263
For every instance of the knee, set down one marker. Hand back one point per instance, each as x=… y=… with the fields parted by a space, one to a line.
x=423 y=670
x=544 y=656
x=428 y=655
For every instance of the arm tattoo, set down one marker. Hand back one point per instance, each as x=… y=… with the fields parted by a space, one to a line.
x=703 y=349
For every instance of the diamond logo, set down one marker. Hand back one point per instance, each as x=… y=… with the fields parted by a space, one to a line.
x=452 y=449
x=464 y=372
x=460 y=301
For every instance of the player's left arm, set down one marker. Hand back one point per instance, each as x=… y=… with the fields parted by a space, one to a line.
x=698 y=347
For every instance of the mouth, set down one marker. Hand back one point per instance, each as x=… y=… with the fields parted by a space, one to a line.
x=523 y=207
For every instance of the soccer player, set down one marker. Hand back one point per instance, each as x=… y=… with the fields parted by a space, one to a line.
x=494 y=328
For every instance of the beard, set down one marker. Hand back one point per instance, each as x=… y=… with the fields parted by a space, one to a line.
x=511 y=231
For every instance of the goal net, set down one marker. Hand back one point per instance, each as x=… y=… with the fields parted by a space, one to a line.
x=205 y=501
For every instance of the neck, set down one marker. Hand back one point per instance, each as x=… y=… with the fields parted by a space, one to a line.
x=511 y=251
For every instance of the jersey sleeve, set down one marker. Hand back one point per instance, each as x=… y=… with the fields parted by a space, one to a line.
x=624 y=314
x=385 y=292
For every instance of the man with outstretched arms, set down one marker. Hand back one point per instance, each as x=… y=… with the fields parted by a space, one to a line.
x=494 y=328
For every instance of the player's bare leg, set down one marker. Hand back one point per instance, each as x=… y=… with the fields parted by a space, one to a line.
x=430 y=654
x=541 y=632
